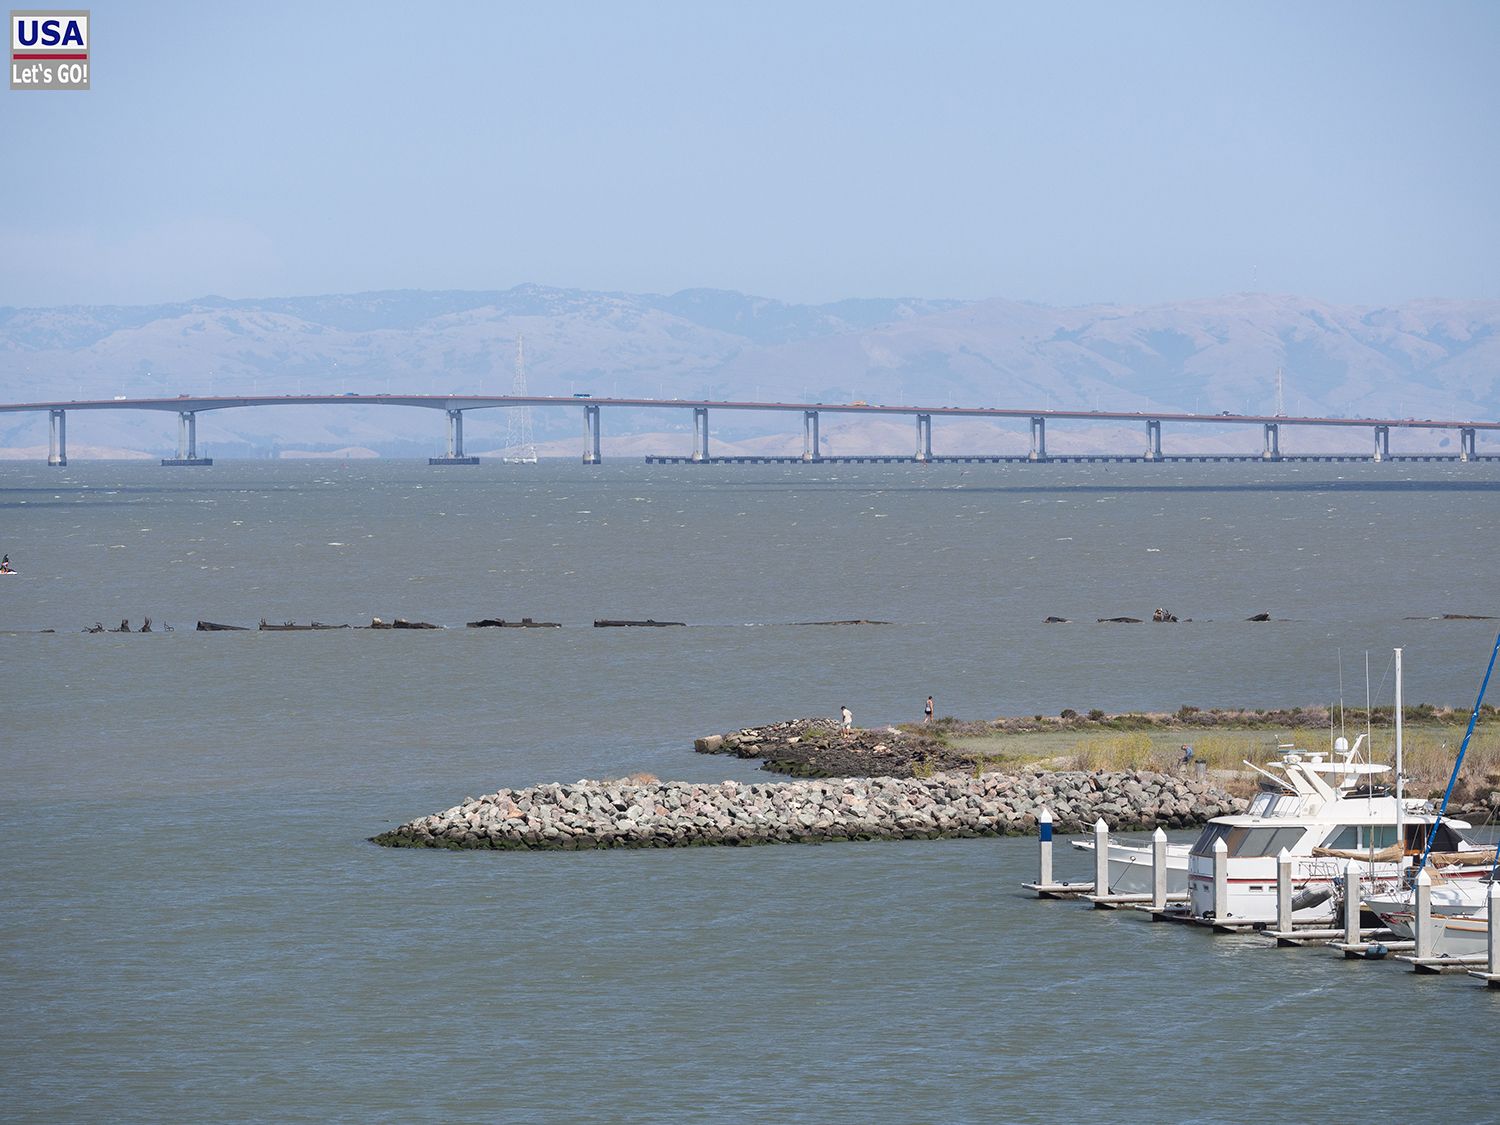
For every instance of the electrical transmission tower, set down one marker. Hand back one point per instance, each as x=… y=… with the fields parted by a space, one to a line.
x=1280 y=401
x=520 y=449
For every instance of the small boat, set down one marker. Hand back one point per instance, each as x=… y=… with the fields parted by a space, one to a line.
x=1460 y=915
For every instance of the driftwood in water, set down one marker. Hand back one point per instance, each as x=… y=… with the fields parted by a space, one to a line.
x=605 y=623
x=293 y=627
x=215 y=627
x=1055 y=621
x=400 y=623
x=524 y=623
x=854 y=621
x=1119 y=621
x=1259 y=617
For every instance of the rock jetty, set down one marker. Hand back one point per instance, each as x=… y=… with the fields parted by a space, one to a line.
x=821 y=748
x=657 y=814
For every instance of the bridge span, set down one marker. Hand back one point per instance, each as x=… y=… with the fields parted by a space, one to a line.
x=188 y=407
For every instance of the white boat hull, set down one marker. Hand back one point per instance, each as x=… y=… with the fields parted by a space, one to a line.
x=1460 y=917
x=1130 y=867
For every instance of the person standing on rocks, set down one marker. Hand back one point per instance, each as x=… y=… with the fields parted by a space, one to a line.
x=846 y=717
x=927 y=709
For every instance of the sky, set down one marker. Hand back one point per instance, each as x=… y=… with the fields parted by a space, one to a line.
x=1060 y=153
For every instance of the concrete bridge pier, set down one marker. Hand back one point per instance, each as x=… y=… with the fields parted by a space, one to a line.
x=924 y=438
x=810 y=450
x=57 y=438
x=591 y=435
x=187 y=441
x=1272 y=450
x=1153 y=439
x=1466 y=444
x=1038 y=439
x=1382 y=443
x=455 y=454
x=700 y=433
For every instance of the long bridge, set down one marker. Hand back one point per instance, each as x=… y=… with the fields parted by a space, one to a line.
x=188 y=407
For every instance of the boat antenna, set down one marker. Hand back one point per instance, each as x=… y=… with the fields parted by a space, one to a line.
x=1473 y=719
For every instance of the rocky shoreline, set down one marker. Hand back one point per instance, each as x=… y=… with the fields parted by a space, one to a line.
x=820 y=748
x=646 y=813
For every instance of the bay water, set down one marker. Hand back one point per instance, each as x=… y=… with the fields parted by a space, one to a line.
x=194 y=926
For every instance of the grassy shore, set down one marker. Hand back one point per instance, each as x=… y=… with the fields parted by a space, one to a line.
x=1224 y=739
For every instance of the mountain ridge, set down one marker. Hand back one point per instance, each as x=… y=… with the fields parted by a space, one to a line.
x=1430 y=357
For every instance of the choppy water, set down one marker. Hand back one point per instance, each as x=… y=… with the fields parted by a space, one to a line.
x=194 y=928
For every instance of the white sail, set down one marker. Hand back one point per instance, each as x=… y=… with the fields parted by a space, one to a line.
x=520 y=448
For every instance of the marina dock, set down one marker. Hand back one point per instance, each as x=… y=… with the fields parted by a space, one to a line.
x=1354 y=940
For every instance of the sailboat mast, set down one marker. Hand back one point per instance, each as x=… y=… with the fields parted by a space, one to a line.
x=1400 y=784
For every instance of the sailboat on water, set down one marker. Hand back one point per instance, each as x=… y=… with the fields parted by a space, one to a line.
x=520 y=449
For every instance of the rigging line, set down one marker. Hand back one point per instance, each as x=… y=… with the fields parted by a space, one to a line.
x=1390 y=664
x=1473 y=719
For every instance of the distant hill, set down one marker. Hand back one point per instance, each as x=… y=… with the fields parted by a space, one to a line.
x=1426 y=359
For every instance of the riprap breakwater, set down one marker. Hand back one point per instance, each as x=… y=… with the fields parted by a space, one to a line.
x=657 y=814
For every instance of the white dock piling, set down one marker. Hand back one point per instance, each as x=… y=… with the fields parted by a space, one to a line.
x=1221 y=880
x=1352 y=894
x=1044 y=886
x=1101 y=857
x=1044 y=849
x=1493 y=902
x=1158 y=870
x=1284 y=891
x=1423 y=925
x=1490 y=974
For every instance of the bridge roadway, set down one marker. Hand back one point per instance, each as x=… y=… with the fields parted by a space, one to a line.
x=188 y=407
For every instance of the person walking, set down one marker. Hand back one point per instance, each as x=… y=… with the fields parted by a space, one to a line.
x=846 y=717
x=927 y=710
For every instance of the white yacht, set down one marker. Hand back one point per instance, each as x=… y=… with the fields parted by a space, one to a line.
x=1325 y=810
x=1329 y=831
x=1299 y=785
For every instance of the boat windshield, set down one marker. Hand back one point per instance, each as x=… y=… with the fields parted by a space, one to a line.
x=1247 y=842
x=1204 y=844
x=1357 y=837
x=1274 y=803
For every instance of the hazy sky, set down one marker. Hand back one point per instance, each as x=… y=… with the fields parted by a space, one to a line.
x=1058 y=152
